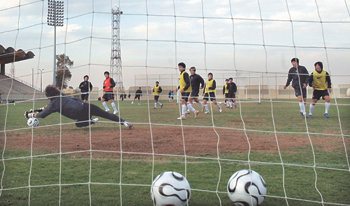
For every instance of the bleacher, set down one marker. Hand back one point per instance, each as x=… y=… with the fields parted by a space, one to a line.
x=18 y=91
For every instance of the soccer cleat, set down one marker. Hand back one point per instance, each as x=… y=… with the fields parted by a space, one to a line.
x=107 y=110
x=220 y=110
x=127 y=124
x=161 y=106
x=310 y=116
x=94 y=121
x=115 y=112
x=196 y=113
x=188 y=112
x=206 y=112
x=183 y=117
x=301 y=114
x=326 y=115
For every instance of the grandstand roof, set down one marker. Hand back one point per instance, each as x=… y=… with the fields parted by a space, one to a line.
x=9 y=54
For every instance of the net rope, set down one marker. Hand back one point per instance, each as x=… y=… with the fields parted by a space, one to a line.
x=187 y=158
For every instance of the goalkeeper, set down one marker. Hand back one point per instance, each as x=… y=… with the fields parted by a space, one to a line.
x=73 y=108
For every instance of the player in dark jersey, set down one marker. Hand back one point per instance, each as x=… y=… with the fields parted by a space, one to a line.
x=232 y=89
x=299 y=76
x=85 y=87
x=75 y=109
x=197 y=83
x=138 y=95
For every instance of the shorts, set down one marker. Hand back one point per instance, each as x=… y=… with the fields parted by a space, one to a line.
x=211 y=94
x=226 y=96
x=156 y=97
x=231 y=96
x=185 y=95
x=137 y=97
x=108 y=96
x=319 y=93
x=298 y=92
x=84 y=96
x=195 y=94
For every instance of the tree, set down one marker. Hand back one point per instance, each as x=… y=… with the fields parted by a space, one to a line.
x=63 y=74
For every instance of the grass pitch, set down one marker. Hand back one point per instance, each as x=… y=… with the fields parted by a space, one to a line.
x=134 y=170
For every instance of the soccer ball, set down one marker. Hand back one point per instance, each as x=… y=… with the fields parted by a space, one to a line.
x=246 y=188
x=33 y=122
x=170 y=188
x=132 y=102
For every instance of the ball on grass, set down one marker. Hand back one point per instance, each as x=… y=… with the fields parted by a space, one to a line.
x=246 y=188
x=170 y=188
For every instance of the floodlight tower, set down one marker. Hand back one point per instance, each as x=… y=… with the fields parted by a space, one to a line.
x=55 y=17
x=116 y=62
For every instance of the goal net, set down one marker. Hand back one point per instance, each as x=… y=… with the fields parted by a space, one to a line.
x=74 y=159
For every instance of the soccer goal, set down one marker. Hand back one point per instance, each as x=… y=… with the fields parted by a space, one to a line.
x=175 y=102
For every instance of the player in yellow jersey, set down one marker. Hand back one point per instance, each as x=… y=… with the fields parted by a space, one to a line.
x=185 y=88
x=320 y=81
x=209 y=93
x=225 y=92
x=156 y=92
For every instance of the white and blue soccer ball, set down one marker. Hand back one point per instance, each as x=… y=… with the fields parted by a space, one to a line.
x=32 y=122
x=246 y=188
x=170 y=188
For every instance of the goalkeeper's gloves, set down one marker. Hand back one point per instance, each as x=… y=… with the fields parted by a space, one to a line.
x=31 y=112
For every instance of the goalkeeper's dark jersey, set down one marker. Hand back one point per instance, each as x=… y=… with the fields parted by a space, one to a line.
x=71 y=107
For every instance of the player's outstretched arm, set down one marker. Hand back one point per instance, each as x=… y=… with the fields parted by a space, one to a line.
x=311 y=79
x=45 y=112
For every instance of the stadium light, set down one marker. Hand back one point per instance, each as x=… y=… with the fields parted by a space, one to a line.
x=55 y=17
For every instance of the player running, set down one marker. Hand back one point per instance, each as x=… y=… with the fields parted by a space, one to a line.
x=225 y=93
x=85 y=88
x=320 y=81
x=232 y=89
x=296 y=73
x=197 y=82
x=209 y=93
x=185 y=88
x=108 y=95
x=156 y=91
x=74 y=108
x=138 y=95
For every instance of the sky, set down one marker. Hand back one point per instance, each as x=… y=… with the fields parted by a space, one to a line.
x=238 y=38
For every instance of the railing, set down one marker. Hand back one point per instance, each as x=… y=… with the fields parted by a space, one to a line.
x=23 y=82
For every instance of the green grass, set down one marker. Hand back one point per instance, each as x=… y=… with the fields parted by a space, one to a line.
x=203 y=174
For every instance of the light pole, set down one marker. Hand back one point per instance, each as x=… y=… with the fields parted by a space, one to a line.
x=41 y=79
x=55 y=17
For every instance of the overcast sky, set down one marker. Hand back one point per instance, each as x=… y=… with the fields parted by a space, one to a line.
x=88 y=19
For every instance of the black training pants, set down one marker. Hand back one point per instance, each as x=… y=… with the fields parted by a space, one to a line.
x=84 y=118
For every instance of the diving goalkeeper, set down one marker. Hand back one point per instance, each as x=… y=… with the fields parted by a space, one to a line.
x=73 y=108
